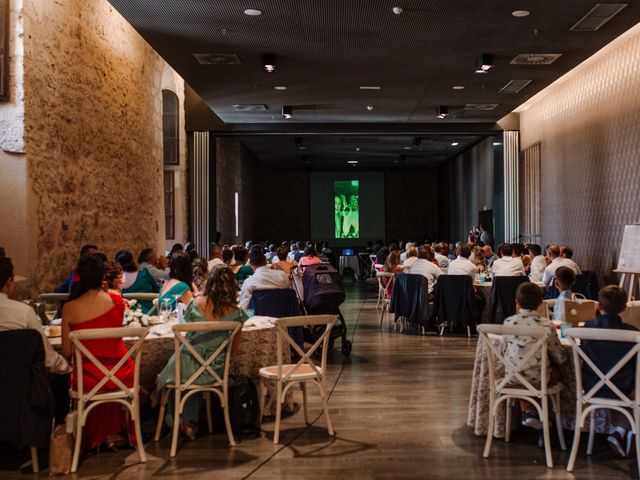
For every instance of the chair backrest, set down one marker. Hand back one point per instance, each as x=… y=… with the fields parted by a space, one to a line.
x=81 y=351
x=513 y=371
x=454 y=299
x=180 y=340
x=380 y=275
x=578 y=335
x=275 y=302
x=577 y=312
x=53 y=297
x=282 y=330
x=503 y=297
x=587 y=285
x=140 y=296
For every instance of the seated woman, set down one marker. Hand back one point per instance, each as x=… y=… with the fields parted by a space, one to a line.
x=136 y=281
x=113 y=277
x=310 y=257
x=477 y=257
x=392 y=265
x=179 y=287
x=90 y=307
x=200 y=273
x=218 y=303
x=283 y=263
x=240 y=268
x=412 y=256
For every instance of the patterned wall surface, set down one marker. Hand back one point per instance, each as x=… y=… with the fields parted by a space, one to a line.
x=588 y=126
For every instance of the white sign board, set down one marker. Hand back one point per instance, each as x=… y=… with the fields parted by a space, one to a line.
x=629 y=259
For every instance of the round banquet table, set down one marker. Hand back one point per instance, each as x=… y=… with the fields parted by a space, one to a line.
x=257 y=349
x=478 y=416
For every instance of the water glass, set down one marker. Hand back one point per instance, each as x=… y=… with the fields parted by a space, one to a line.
x=564 y=326
x=165 y=309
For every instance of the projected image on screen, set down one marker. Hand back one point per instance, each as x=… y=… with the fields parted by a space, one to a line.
x=347 y=209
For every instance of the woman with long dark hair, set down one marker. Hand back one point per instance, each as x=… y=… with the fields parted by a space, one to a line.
x=90 y=307
x=136 y=281
x=179 y=287
x=218 y=302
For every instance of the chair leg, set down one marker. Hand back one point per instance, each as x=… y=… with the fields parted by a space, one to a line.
x=545 y=430
x=325 y=408
x=303 y=386
x=135 y=414
x=207 y=399
x=576 y=438
x=378 y=302
x=76 y=448
x=555 y=401
x=507 y=432
x=468 y=331
x=227 y=421
x=490 y=427
x=276 y=433
x=34 y=460
x=592 y=431
x=176 y=424
x=636 y=418
x=262 y=394
x=163 y=406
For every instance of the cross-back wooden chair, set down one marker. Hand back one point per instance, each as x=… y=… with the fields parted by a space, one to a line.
x=515 y=386
x=622 y=401
x=382 y=292
x=303 y=372
x=184 y=390
x=128 y=396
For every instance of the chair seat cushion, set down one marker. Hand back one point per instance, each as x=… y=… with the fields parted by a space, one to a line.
x=302 y=372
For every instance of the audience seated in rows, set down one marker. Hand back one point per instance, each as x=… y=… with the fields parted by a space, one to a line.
x=477 y=256
x=565 y=279
x=508 y=265
x=200 y=272
x=240 y=268
x=310 y=257
x=538 y=262
x=179 y=287
x=442 y=260
x=215 y=256
x=262 y=278
x=424 y=266
x=461 y=265
x=148 y=260
x=281 y=261
x=136 y=281
x=489 y=255
x=555 y=262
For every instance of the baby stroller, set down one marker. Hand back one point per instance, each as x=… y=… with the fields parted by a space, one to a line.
x=323 y=295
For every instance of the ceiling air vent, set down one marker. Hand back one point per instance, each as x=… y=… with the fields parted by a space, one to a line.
x=535 y=58
x=217 y=58
x=480 y=107
x=514 y=86
x=249 y=107
x=598 y=16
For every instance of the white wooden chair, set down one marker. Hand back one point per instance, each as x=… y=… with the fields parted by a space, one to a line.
x=303 y=372
x=588 y=402
x=184 y=390
x=515 y=386
x=127 y=396
x=140 y=296
x=382 y=292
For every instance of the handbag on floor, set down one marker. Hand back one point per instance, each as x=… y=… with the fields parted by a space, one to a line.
x=60 y=451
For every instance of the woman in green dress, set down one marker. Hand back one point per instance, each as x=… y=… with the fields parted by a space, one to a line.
x=218 y=303
x=240 y=268
x=136 y=281
x=179 y=287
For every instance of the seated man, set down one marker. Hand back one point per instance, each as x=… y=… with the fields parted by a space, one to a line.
x=538 y=262
x=555 y=262
x=612 y=302
x=489 y=255
x=215 y=257
x=442 y=260
x=565 y=279
x=263 y=278
x=462 y=265
x=528 y=299
x=508 y=265
x=425 y=267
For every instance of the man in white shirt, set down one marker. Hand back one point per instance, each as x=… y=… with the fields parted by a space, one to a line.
x=462 y=265
x=403 y=255
x=264 y=277
x=553 y=254
x=507 y=265
x=16 y=315
x=215 y=256
x=425 y=267
x=538 y=263
x=442 y=260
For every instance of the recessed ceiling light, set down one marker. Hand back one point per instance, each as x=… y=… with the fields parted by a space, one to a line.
x=454 y=144
x=521 y=13
x=352 y=162
x=252 y=12
x=269 y=62
x=287 y=112
x=458 y=87
x=407 y=148
x=369 y=107
x=495 y=144
x=280 y=87
x=357 y=149
x=484 y=62
x=369 y=87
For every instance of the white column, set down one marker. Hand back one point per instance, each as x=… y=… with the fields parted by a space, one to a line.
x=200 y=192
x=511 y=200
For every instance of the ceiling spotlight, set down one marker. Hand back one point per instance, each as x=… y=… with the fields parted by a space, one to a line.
x=484 y=62
x=357 y=149
x=495 y=144
x=352 y=162
x=458 y=87
x=407 y=148
x=369 y=107
x=369 y=87
x=287 y=112
x=521 y=13
x=280 y=87
x=442 y=111
x=269 y=62
x=454 y=144
x=397 y=10
x=417 y=141
x=252 y=12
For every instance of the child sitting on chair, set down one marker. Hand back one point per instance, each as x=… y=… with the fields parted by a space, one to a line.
x=528 y=299
x=565 y=279
x=613 y=301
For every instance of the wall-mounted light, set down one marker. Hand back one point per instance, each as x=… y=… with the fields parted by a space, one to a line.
x=269 y=62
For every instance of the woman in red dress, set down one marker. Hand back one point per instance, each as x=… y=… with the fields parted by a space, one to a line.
x=89 y=307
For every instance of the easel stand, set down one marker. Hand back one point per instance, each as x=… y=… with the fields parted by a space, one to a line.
x=628 y=278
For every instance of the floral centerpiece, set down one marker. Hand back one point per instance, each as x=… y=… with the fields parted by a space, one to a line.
x=134 y=317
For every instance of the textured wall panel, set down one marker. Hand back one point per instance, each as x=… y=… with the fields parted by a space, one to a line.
x=588 y=126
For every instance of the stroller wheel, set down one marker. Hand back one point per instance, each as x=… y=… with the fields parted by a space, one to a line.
x=346 y=348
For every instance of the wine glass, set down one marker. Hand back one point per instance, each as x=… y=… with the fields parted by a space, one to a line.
x=165 y=309
x=50 y=310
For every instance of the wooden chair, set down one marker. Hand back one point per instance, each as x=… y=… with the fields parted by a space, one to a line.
x=53 y=297
x=579 y=311
x=622 y=403
x=127 y=396
x=184 y=390
x=382 y=292
x=515 y=386
x=140 y=296
x=303 y=372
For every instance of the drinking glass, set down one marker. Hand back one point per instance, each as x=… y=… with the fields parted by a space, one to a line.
x=165 y=309
x=50 y=310
x=564 y=326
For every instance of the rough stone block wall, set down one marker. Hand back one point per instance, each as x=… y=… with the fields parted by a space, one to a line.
x=93 y=132
x=411 y=205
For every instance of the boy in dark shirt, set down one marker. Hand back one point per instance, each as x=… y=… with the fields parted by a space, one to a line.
x=613 y=301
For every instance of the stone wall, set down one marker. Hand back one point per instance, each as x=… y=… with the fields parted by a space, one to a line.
x=93 y=134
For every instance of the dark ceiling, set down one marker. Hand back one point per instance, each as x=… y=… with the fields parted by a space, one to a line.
x=327 y=49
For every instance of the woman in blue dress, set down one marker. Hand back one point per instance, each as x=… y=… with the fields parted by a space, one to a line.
x=218 y=303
